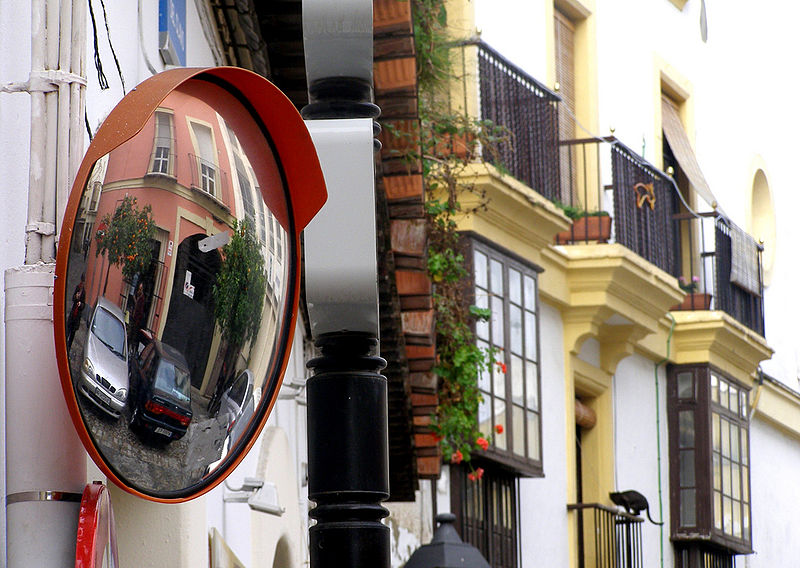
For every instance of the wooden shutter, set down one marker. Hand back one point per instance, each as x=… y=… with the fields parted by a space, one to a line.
x=565 y=73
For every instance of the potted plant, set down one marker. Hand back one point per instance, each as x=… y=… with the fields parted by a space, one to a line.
x=693 y=300
x=586 y=225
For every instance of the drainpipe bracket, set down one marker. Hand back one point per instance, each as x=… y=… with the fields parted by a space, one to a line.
x=42 y=228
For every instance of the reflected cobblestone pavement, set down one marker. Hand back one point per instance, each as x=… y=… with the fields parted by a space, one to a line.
x=141 y=461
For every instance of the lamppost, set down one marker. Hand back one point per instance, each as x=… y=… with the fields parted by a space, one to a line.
x=347 y=397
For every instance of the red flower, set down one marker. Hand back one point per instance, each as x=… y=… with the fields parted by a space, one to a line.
x=457 y=457
x=475 y=475
x=483 y=443
x=498 y=428
x=501 y=365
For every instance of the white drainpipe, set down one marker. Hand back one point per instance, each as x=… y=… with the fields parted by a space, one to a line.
x=45 y=461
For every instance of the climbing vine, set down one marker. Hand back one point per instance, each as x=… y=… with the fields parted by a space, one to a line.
x=450 y=142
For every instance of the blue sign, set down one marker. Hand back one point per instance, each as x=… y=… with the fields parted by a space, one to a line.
x=172 y=31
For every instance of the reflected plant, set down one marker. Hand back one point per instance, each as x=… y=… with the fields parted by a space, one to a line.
x=238 y=296
x=125 y=236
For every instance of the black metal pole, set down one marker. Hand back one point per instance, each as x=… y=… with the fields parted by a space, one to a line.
x=348 y=453
x=348 y=432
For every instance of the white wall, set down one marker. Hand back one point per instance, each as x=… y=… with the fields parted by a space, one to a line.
x=636 y=435
x=543 y=511
x=775 y=459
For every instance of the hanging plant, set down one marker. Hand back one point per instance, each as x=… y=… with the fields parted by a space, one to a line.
x=451 y=142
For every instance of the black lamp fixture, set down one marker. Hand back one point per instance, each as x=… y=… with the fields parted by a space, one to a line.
x=446 y=550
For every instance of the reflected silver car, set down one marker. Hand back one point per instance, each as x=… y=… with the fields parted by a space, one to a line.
x=104 y=373
x=235 y=398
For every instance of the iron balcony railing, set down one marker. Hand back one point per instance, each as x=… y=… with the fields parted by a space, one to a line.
x=651 y=218
x=607 y=537
x=528 y=111
x=585 y=176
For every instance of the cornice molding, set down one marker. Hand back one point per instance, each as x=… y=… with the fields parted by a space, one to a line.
x=716 y=338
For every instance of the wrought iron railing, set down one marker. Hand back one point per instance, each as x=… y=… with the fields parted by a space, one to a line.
x=607 y=537
x=528 y=110
x=643 y=209
x=650 y=217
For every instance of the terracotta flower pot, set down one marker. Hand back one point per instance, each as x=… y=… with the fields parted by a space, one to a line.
x=694 y=301
x=590 y=228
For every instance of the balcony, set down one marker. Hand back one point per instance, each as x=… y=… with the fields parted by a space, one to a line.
x=607 y=537
x=647 y=212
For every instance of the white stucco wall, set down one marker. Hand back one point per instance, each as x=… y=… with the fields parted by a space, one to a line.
x=775 y=493
x=636 y=435
x=543 y=512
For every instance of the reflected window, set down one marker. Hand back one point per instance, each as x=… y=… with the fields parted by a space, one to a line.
x=163 y=144
x=511 y=388
x=709 y=458
x=206 y=162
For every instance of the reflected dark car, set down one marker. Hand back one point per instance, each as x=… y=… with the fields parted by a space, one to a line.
x=104 y=372
x=162 y=385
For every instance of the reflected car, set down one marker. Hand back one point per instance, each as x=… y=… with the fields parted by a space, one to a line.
x=104 y=373
x=162 y=389
x=235 y=398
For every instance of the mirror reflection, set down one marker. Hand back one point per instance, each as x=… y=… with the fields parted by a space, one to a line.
x=176 y=290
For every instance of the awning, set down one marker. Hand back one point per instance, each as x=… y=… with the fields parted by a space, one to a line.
x=682 y=150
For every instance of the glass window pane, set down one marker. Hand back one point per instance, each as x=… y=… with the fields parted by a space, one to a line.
x=723 y=394
x=725 y=432
x=688 y=510
x=496 y=277
x=517 y=380
x=743 y=404
x=714 y=388
x=534 y=445
x=480 y=269
x=499 y=381
x=736 y=480
x=745 y=485
x=745 y=453
x=498 y=334
x=686 y=385
x=531 y=386
x=726 y=477
x=483 y=376
x=718 y=510
x=500 y=417
x=518 y=424
x=734 y=402
x=530 y=293
x=686 y=429
x=746 y=520
x=515 y=329
x=734 y=442
x=715 y=432
x=530 y=336
x=515 y=286
x=737 y=519
x=485 y=413
x=687 y=468
x=717 y=472
x=500 y=414
x=727 y=515
x=482 y=326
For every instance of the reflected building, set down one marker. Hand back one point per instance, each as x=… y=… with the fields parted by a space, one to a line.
x=189 y=166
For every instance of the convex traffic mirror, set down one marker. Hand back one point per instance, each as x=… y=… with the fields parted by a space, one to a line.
x=178 y=276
